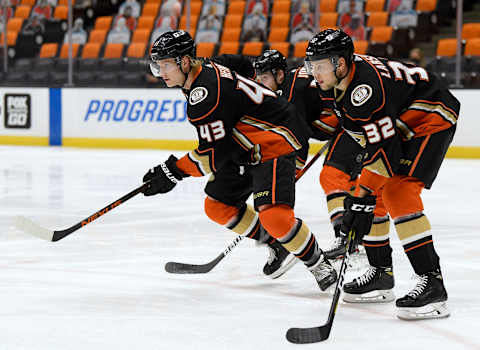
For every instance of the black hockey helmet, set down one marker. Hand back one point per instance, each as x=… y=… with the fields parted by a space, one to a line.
x=270 y=60
x=330 y=43
x=173 y=44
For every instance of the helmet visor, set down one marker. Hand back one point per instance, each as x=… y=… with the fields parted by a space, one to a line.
x=319 y=66
x=162 y=66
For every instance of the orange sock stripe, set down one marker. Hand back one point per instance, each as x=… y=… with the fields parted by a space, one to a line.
x=274 y=181
x=418 y=245
x=375 y=245
x=254 y=232
x=308 y=248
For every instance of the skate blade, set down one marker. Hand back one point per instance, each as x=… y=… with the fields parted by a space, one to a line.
x=430 y=311
x=289 y=262
x=376 y=296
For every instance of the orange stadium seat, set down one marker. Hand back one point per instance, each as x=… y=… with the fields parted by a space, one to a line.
x=470 y=31
x=65 y=2
x=64 y=50
x=153 y=1
x=30 y=3
x=280 y=20
x=205 y=49
x=141 y=36
x=103 y=22
x=375 y=5
x=23 y=11
x=231 y=34
x=278 y=34
x=136 y=50
x=283 y=47
x=281 y=6
x=61 y=12
x=252 y=48
x=113 y=50
x=236 y=8
x=300 y=48
x=195 y=8
x=14 y=24
x=91 y=50
x=472 y=47
x=150 y=9
x=97 y=36
x=193 y=23
x=361 y=46
x=381 y=34
x=11 y=38
x=446 y=47
x=145 y=22
x=328 y=6
x=48 y=50
x=426 y=5
x=233 y=21
x=328 y=19
x=228 y=48
x=376 y=19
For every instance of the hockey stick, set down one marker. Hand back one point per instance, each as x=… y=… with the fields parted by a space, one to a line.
x=321 y=333
x=32 y=228
x=176 y=267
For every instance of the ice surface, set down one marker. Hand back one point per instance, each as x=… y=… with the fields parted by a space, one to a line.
x=104 y=286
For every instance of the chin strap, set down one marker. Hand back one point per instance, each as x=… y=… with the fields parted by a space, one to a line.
x=178 y=60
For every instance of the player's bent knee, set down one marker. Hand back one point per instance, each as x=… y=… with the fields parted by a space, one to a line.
x=219 y=212
x=401 y=195
x=278 y=220
x=332 y=179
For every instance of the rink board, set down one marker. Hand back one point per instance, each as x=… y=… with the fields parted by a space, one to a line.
x=142 y=118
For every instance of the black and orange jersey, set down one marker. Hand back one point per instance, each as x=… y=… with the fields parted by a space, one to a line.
x=232 y=115
x=387 y=101
x=300 y=89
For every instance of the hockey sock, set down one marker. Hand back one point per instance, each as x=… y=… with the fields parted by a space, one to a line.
x=336 y=184
x=293 y=234
x=377 y=243
x=414 y=233
x=243 y=220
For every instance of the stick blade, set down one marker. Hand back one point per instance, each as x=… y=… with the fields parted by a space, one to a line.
x=180 y=268
x=308 y=335
x=28 y=226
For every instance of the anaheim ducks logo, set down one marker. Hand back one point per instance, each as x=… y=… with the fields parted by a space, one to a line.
x=197 y=95
x=361 y=94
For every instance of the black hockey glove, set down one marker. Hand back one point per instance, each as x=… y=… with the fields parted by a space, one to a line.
x=358 y=215
x=163 y=178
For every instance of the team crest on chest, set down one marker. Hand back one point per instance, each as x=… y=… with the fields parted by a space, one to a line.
x=361 y=94
x=197 y=95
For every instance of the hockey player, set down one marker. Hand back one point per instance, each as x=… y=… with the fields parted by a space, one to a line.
x=238 y=121
x=339 y=168
x=279 y=259
x=403 y=120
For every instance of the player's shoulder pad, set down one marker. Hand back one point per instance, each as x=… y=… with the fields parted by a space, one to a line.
x=204 y=93
x=238 y=63
x=366 y=94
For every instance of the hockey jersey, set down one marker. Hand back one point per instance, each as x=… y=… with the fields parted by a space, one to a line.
x=237 y=120
x=300 y=89
x=386 y=102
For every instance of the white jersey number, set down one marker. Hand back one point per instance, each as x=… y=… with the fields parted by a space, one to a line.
x=212 y=131
x=253 y=90
x=398 y=68
x=381 y=129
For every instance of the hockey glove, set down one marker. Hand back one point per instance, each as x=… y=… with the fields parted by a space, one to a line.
x=163 y=178
x=358 y=215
